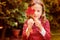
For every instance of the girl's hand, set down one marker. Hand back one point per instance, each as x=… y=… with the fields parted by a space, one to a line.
x=38 y=23
x=29 y=28
x=30 y=22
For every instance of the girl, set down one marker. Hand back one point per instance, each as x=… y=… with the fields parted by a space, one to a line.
x=36 y=27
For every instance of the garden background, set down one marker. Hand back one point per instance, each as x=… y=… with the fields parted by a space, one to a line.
x=12 y=16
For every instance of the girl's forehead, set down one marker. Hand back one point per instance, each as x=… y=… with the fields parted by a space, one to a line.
x=37 y=6
x=36 y=1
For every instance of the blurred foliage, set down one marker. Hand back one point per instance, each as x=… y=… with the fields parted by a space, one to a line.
x=12 y=12
x=53 y=12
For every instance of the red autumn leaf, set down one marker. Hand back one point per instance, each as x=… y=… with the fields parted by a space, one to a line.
x=30 y=11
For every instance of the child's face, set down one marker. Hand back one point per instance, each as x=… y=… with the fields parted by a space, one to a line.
x=38 y=10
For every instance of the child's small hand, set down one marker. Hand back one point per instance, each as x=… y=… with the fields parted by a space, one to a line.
x=30 y=22
x=29 y=28
x=38 y=23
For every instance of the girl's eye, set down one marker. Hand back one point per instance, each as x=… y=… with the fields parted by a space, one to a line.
x=38 y=10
